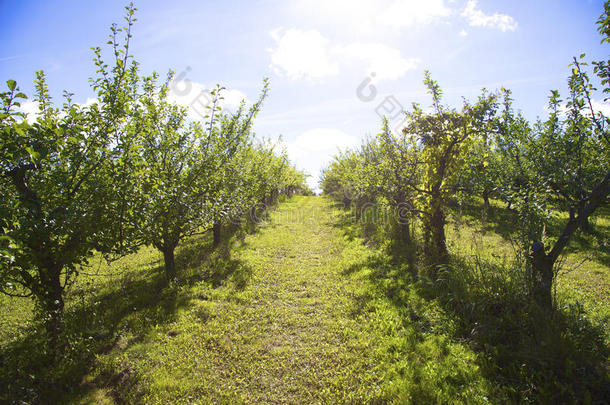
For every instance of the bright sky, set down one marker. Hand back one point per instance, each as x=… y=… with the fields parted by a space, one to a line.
x=317 y=54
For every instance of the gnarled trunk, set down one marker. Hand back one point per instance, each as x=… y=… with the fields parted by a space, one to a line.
x=542 y=275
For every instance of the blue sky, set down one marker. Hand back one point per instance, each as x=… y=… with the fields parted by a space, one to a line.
x=316 y=54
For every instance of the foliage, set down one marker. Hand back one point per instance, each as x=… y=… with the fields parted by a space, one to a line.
x=126 y=171
x=558 y=165
x=66 y=182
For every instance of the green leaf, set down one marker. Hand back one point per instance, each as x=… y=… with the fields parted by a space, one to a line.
x=11 y=84
x=32 y=152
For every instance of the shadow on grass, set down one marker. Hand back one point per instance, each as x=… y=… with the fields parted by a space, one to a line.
x=130 y=303
x=525 y=353
x=369 y=224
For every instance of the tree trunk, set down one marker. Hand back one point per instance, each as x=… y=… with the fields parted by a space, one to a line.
x=586 y=226
x=402 y=215
x=436 y=244
x=253 y=216
x=170 y=262
x=55 y=322
x=542 y=275
x=485 y=212
x=216 y=230
x=52 y=303
x=438 y=235
x=542 y=263
x=405 y=232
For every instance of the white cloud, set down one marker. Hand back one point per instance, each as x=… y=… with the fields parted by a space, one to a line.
x=404 y=13
x=31 y=109
x=308 y=54
x=321 y=139
x=477 y=18
x=598 y=106
x=196 y=97
x=232 y=98
x=385 y=61
x=365 y=16
x=302 y=54
x=463 y=33
x=314 y=148
x=90 y=101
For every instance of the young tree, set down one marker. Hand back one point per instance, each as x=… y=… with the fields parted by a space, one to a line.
x=185 y=168
x=511 y=154
x=232 y=182
x=398 y=172
x=483 y=167
x=336 y=180
x=562 y=166
x=573 y=164
x=64 y=181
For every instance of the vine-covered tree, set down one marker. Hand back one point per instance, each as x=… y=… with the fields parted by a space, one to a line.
x=444 y=138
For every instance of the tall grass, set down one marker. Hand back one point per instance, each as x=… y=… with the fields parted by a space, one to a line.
x=481 y=300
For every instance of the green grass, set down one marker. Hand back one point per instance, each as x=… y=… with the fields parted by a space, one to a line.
x=584 y=274
x=300 y=329
x=304 y=311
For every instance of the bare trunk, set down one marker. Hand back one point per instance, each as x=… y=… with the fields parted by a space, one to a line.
x=253 y=216
x=405 y=232
x=403 y=221
x=586 y=226
x=439 y=242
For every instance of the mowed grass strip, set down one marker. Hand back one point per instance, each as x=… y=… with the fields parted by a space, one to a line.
x=282 y=328
x=297 y=320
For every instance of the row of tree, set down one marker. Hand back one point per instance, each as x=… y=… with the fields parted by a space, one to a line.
x=540 y=169
x=128 y=170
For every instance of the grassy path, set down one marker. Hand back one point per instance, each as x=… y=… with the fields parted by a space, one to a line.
x=299 y=312
x=282 y=329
